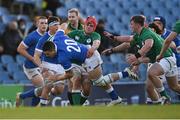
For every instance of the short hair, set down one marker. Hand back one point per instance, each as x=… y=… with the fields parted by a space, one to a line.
x=140 y=19
x=53 y=19
x=155 y=27
x=41 y=17
x=48 y=46
x=75 y=10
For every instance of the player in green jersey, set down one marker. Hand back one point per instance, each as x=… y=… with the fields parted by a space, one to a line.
x=148 y=45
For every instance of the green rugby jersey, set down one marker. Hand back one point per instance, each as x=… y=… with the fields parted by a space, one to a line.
x=146 y=33
x=70 y=28
x=81 y=37
x=176 y=28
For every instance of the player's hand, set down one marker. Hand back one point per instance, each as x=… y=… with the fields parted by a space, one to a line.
x=159 y=57
x=90 y=52
x=107 y=52
x=131 y=58
x=109 y=35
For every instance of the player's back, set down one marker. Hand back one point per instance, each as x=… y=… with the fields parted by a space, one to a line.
x=69 y=49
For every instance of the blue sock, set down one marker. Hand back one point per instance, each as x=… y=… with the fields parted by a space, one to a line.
x=29 y=93
x=113 y=95
x=125 y=74
x=35 y=101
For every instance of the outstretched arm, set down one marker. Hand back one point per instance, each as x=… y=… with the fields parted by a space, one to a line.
x=166 y=44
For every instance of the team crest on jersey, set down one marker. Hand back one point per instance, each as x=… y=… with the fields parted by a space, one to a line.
x=88 y=40
x=77 y=38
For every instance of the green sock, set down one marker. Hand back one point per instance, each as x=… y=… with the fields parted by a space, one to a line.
x=163 y=93
x=82 y=100
x=69 y=94
x=76 y=98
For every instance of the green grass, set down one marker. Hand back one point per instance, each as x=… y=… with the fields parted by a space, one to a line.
x=94 y=112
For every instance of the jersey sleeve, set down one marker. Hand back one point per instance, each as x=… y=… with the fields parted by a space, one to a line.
x=28 y=41
x=176 y=28
x=96 y=36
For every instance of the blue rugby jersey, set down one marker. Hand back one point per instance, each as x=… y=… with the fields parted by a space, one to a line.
x=42 y=40
x=69 y=51
x=30 y=42
x=177 y=42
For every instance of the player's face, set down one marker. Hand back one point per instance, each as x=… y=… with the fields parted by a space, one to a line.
x=89 y=27
x=54 y=28
x=72 y=17
x=159 y=24
x=42 y=25
x=50 y=54
x=133 y=26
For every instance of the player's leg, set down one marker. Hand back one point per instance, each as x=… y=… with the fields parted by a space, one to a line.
x=156 y=70
x=37 y=80
x=152 y=95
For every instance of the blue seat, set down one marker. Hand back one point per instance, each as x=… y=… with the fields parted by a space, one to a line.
x=13 y=67
x=117 y=58
x=105 y=58
x=6 y=59
x=5 y=78
x=62 y=12
x=26 y=81
x=24 y=17
x=3 y=11
x=20 y=59
x=19 y=76
x=109 y=67
x=3 y=27
x=8 y=18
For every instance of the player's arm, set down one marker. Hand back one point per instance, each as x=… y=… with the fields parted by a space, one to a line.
x=123 y=38
x=166 y=44
x=37 y=55
x=119 y=48
x=22 y=50
x=146 y=47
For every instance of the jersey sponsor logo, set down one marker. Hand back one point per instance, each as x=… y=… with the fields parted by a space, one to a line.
x=88 y=40
x=77 y=38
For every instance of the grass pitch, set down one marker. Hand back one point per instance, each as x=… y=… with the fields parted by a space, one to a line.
x=94 y=112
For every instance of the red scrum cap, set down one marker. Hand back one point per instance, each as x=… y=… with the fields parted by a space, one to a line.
x=91 y=19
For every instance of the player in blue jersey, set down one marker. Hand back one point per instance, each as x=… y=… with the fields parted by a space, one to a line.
x=32 y=71
x=67 y=51
x=47 y=64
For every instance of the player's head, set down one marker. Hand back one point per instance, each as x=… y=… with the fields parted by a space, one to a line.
x=160 y=21
x=73 y=15
x=155 y=28
x=53 y=23
x=137 y=22
x=42 y=23
x=49 y=49
x=90 y=24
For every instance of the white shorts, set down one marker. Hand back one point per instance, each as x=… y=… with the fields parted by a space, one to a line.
x=32 y=72
x=79 y=69
x=169 y=66
x=92 y=62
x=178 y=73
x=57 y=68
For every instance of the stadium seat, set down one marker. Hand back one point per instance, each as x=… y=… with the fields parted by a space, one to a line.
x=13 y=67
x=3 y=11
x=3 y=27
x=8 y=18
x=19 y=76
x=20 y=60
x=62 y=12
x=5 y=78
x=109 y=67
x=6 y=59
